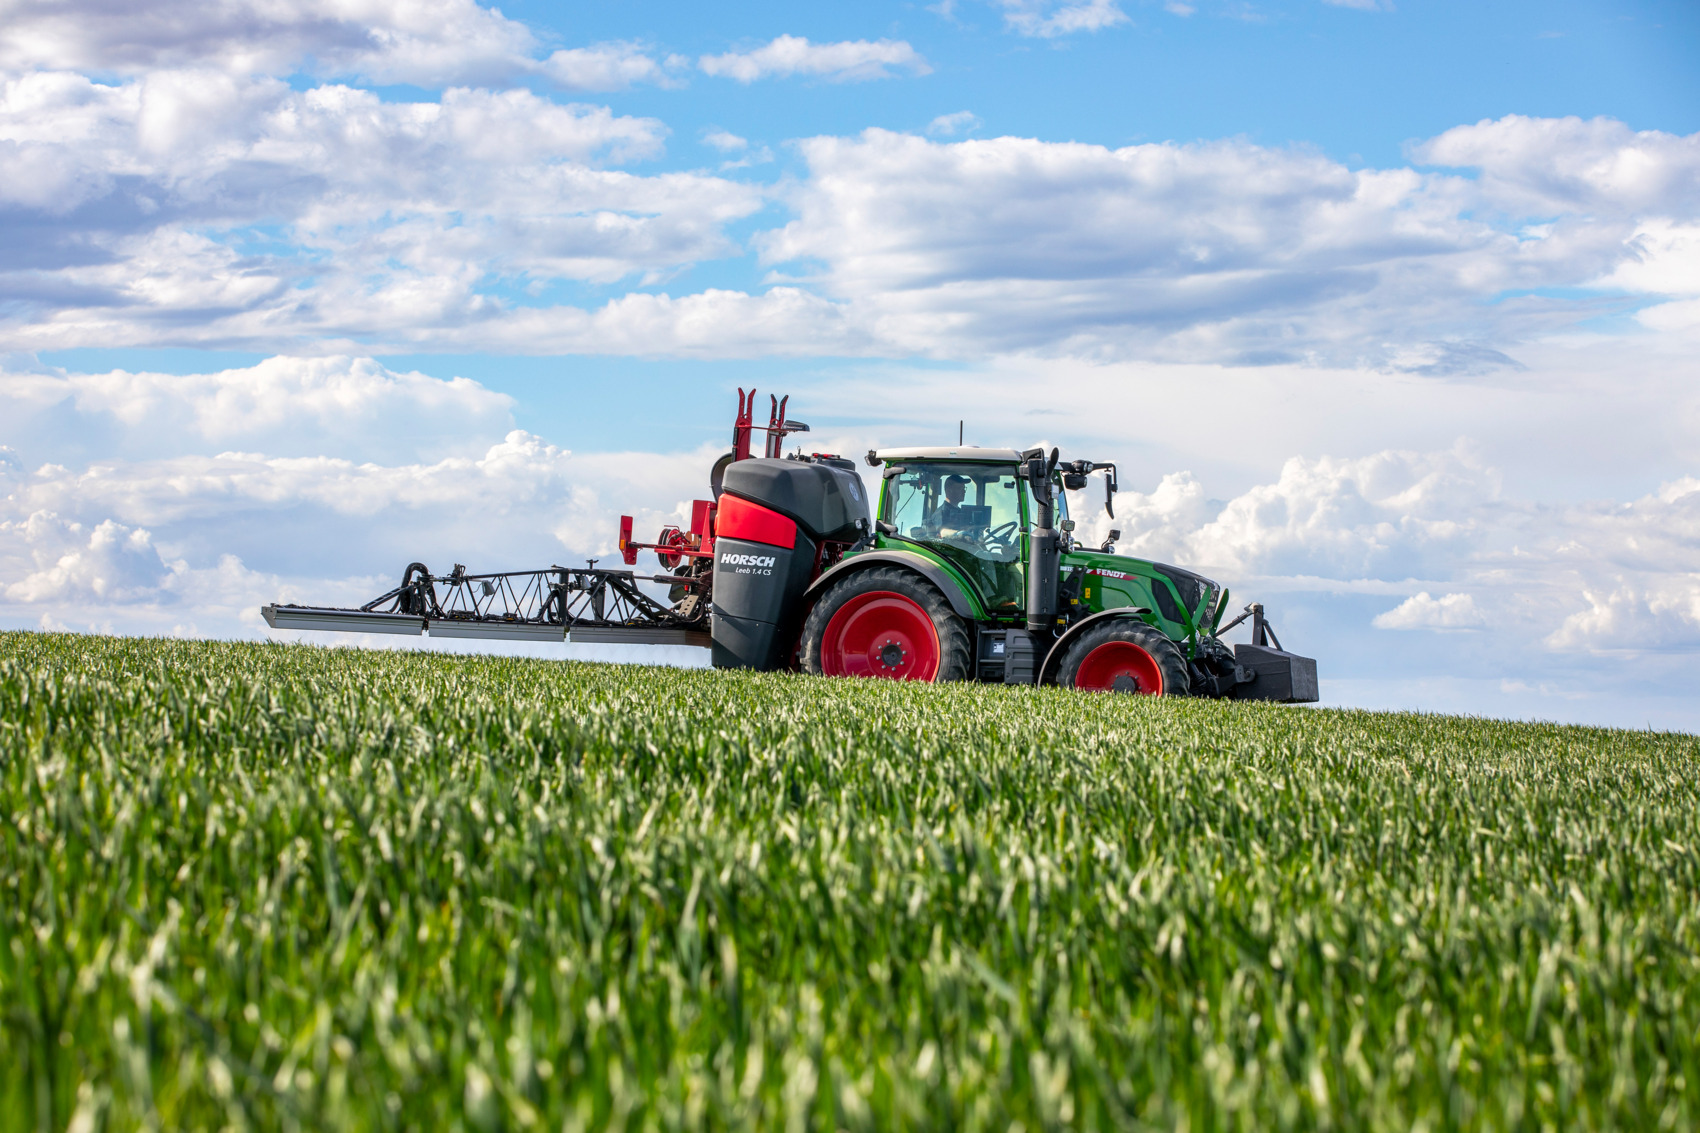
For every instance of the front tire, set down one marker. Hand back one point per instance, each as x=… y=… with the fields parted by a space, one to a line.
x=1125 y=655
x=886 y=622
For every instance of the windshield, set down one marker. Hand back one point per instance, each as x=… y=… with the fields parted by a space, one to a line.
x=969 y=513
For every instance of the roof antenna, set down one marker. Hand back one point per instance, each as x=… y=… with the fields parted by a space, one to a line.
x=959 y=434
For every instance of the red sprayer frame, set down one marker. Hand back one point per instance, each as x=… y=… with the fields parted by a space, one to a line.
x=698 y=543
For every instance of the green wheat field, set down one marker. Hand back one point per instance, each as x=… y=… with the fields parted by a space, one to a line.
x=261 y=886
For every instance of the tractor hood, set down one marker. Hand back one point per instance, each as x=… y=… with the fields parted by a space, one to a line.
x=1199 y=596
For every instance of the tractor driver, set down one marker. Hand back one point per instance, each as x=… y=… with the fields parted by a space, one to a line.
x=952 y=518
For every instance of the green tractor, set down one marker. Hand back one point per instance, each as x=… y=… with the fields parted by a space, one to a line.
x=968 y=570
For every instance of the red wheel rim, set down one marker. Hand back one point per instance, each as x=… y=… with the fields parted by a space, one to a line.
x=880 y=634
x=1120 y=666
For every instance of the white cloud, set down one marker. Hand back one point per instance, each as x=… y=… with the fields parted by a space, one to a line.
x=848 y=61
x=1220 y=250
x=110 y=563
x=949 y=125
x=714 y=323
x=135 y=208
x=1050 y=18
x=606 y=67
x=431 y=43
x=1661 y=613
x=1661 y=257
x=725 y=141
x=281 y=405
x=1392 y=515
x=389 y=215
x=1424 y=611
x=1546 y=166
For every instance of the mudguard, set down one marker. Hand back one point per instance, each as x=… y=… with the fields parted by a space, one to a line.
x=952 y=587
x=1053 y=658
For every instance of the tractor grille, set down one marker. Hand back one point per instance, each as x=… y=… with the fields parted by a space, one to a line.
x=1191 y=587
x=1166 y=603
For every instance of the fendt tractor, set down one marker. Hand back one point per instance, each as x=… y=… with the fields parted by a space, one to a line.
x=968 y=569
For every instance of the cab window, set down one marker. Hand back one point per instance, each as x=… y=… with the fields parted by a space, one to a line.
x=969 y=513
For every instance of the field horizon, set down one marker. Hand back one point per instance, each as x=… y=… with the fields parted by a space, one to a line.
x=264 y=885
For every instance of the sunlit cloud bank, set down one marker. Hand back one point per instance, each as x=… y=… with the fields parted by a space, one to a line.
x=218 y=176
x=197 y=207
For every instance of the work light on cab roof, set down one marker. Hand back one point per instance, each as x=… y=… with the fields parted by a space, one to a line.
x=963 y=566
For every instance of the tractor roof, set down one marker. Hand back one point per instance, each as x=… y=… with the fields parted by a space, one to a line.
x=960 y=452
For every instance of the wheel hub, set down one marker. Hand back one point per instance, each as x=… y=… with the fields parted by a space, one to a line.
x=1120 y=666
x=880 y=634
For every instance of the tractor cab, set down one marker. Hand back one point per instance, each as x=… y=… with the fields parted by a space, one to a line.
x=968 y=507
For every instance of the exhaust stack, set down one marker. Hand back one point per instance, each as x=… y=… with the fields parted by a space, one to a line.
x=1044 y=545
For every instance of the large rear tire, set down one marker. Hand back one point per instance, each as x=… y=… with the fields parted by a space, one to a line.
x=1125 y=655
x=886 y=622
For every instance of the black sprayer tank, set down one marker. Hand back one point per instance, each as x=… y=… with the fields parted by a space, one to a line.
x=772 y=519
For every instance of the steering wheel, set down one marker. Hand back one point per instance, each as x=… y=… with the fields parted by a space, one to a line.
x=1001 y=539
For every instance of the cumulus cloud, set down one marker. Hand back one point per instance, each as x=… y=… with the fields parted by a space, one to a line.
x=140 y=215
x=607 y=67
x=847 y=61
x=1545 y=166
x=1650 y=615
x=949 y=125
x=197 y=207
x=520 y=503
x=714 y=323
x=1660 y=257
x=1391 y=515
x=1424 y=611
x=110 y=563
x=283 y=405
x=1231 y=251
x=725 y=141
x=430 y=43
x=1050 y=18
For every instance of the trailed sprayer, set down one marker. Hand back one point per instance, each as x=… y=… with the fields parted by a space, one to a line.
x=965 y=567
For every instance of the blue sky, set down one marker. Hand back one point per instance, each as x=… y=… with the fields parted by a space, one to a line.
x=1388 y=308
x=1355 y=83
